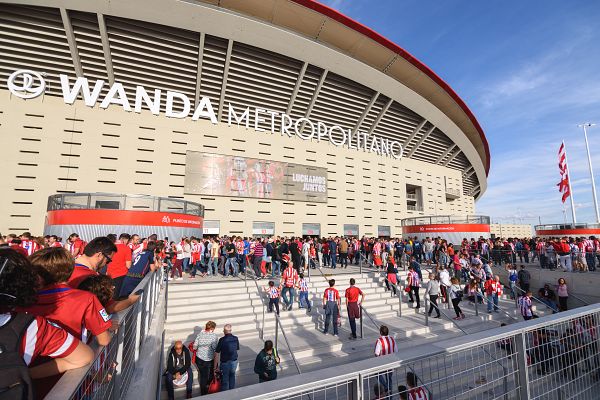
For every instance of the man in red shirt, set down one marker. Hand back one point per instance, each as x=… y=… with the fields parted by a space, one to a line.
x=289 y=281
x=352 y=305
x=77 y=311
x=97 y=253
x=331 y=304
x=40 y=341
x=121 y=262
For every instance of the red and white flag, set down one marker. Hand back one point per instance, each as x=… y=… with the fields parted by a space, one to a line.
x=563 y=185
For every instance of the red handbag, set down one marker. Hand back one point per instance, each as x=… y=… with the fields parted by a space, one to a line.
x=192 y=352
x=407 y=289
x=215 y=384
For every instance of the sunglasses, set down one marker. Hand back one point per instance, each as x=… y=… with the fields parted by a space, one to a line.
x=108 y=259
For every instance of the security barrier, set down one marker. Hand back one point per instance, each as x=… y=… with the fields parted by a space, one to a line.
x=109 y=375
x=553 y=357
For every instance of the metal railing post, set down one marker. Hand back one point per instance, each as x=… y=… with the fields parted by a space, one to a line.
x=276 y=331
x=399 y=289
x=361 y=322
x=426 y=307
x=360 y=262
x=138 y=325
x=523 y=371
x=118 y=376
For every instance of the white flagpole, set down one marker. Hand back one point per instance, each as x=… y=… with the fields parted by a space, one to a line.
x=587 y=147
x=570 y=189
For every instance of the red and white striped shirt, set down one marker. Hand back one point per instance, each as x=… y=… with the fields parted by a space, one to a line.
x=136 y=249
x=385 y=345
x=331 y=294
x=418 y=393
x=303 y=285
x=43 y=339
x=290 y=276
x=273 y=292
x=414 y=278
x=30 y=246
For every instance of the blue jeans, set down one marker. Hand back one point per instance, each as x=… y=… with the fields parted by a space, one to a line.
x=276 y=267
x=228 y=369
x=188 y=384
x=331 y=314
x=304 y=302
x=213 y=265
x=492 y=302
x=233 y=262
x=284 y=292
x=186 y=264
x=333 y=260
x=385 y=380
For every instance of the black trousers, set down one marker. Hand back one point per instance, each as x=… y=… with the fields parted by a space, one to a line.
x=434 y=305
x=274 y=302
x=205 y=372
x=415 y=290
x=343 y=260
x=457 y=309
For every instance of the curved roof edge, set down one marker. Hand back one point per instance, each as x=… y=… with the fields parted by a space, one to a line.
x=370 y=33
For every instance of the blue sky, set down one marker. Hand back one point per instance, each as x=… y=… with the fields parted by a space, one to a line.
x=530 y=72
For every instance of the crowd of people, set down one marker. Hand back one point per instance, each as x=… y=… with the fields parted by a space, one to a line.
x=95 y=279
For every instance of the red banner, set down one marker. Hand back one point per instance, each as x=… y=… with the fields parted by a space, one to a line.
x=446 y=228
x=123 y=217
x=568 y=232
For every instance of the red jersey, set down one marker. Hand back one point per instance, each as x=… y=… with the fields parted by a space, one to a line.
x=117 y=267
x=80 y=273
x=352 y=294
x=30 y=246
x=76 y=248
x=77 y=311
x=289 y=277
x=43 y=339
x=56 y=244
x=331 y=294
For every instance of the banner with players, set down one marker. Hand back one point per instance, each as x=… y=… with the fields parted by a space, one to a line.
x=224 y=175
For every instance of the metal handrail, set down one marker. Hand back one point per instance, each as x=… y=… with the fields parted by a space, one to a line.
x=260 y=295
x=362 y=308
x=579 y=298
x=399 y=288
x=277 y=327
x=499 y=308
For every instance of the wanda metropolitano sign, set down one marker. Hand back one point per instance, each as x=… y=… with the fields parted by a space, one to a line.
x=28 y=84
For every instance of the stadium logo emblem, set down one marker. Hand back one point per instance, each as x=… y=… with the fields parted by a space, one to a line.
x=26 y=84
x=166 y=219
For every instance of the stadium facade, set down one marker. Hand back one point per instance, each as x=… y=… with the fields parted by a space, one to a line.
x=279 y=116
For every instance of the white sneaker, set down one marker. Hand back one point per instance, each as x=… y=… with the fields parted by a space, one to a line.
x=170 y=278
x=180 y=279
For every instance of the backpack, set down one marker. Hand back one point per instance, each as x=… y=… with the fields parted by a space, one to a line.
x=15 y=382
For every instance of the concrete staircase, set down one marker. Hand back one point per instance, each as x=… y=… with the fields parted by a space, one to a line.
x=191 y=304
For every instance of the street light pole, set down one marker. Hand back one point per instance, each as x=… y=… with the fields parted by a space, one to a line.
x=587 y=147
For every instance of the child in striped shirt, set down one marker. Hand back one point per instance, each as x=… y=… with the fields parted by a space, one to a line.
x=303 y=288
x=274 y=293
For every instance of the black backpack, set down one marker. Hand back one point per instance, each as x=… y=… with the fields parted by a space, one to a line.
x=15 y=382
